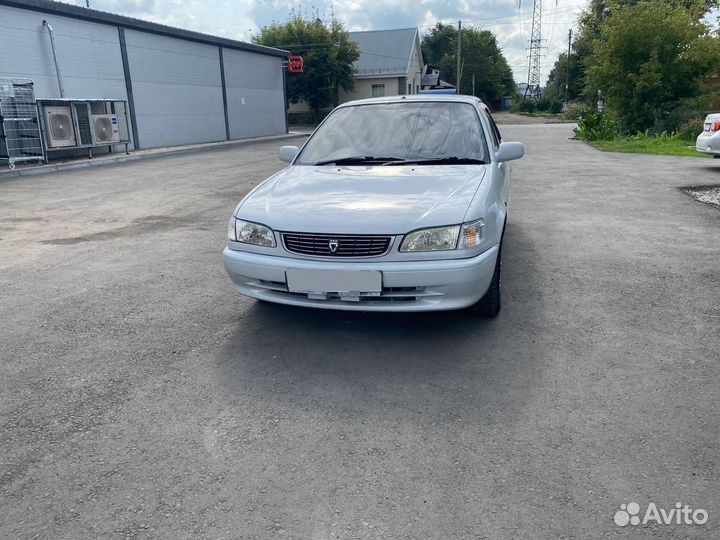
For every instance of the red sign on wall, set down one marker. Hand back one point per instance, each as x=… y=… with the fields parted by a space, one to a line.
x=295 y=64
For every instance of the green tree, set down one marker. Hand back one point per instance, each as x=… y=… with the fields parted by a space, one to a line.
x=555 y=87
x=648 y=60
x=329 y=55
x=582 y=54
x=481 y=57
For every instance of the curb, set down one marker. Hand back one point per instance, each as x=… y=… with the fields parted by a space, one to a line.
x=99 y=162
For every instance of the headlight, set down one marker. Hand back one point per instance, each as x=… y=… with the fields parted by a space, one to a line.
x=437 y=239
x=248 y=232
x=465 y=236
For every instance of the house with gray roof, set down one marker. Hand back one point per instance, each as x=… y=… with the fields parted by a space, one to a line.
x=390 y=64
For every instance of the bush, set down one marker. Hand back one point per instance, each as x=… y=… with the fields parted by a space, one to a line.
x=689 y=130
x=522 y=105
x=672 y=119
x=534 y=106
x=595 y=126
x=548 y=105
x=576 y=110
x=308 y=117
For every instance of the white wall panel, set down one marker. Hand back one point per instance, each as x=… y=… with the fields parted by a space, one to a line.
x=177 y=90
x=88 y=55
x=255 y=99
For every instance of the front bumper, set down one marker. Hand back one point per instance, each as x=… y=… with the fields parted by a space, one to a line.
x=708 y=143
x=406 y=286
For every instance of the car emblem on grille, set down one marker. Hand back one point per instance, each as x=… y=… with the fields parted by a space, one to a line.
x=333 y=245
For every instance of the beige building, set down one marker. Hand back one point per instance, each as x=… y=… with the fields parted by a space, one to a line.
x=390 y=64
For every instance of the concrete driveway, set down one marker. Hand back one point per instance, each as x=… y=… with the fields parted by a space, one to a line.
x=141 y=398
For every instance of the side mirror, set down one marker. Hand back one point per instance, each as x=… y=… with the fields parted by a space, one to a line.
x=288 y=153
x=509 y=151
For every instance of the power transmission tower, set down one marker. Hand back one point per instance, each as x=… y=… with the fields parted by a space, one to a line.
x=532 y=91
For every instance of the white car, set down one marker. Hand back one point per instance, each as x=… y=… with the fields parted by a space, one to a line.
x=708 y=141
x=393 y=204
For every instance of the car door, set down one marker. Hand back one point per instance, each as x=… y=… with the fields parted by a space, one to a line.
x=502 y=170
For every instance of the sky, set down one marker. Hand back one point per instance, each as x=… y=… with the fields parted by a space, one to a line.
x=240 y=19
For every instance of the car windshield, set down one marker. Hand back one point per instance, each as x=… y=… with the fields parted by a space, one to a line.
x=397 y=132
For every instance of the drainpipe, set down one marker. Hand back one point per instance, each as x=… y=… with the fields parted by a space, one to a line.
x=57 y=68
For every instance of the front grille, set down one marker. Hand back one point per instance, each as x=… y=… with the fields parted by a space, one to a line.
x=345 y=245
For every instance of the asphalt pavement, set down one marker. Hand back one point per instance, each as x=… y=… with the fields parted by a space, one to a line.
x=140 y=397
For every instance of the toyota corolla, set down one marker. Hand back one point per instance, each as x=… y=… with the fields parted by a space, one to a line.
x=392 y=204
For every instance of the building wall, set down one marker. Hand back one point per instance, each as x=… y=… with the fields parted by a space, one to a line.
x=88 y=55
x=176 y=82
x=177 y=90
x=255 y=97
x=415 y=71
x=363 y=88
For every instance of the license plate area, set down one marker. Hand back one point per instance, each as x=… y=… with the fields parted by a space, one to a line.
x=341 y=282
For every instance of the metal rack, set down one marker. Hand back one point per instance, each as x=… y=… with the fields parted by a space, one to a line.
x=20 y=139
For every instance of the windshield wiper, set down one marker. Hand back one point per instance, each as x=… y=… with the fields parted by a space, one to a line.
x=447 y=160
x=358 y=159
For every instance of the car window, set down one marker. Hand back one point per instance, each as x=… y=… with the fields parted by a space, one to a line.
x=405 y=130
x=495 y=127
x=494 y=131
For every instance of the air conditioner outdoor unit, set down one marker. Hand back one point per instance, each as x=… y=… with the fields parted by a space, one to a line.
x=105 y=129
x=60 y=127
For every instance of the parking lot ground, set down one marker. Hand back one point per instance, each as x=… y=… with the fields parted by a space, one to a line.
x=140 y=397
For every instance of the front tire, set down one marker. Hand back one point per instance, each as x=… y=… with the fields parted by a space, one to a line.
x=489 y=305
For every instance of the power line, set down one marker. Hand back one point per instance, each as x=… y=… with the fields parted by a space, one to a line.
x=502 y=17
x=517 y=20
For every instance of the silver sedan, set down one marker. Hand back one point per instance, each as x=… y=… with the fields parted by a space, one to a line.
x=708 y=141
x=393 y=204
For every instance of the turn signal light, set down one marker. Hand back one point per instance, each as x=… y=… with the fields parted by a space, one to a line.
x=471 y=233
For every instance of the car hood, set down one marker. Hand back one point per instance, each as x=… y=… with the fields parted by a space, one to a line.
x=363 y=199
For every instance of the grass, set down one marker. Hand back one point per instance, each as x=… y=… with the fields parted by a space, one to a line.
x=660 y=145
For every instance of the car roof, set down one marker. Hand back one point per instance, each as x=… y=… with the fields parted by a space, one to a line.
x=416 y=97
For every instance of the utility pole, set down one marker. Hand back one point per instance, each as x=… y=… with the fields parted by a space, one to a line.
x=473 y=85
x=459 y=52
x=567 y=75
